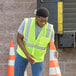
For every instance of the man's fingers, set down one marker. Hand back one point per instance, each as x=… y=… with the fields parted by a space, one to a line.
x=56 y=54
x=32 y=56
x=32 y=61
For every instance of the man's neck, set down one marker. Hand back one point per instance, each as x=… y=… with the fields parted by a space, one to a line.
x=38 y=24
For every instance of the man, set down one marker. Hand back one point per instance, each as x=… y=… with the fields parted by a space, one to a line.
x=34 y=35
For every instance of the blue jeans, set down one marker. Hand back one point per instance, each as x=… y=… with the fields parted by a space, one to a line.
x=21 y=64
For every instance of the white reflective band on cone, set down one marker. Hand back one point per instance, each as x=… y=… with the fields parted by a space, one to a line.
x=55 y=70
x=25 y=73
x=52 y=55
x=11 y=62
x=12 y=52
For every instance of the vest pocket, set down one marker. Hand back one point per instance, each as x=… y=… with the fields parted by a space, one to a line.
x=44 y=41
x=39 y=54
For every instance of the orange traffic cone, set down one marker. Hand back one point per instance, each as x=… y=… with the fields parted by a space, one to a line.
x=10 y=69
x=54 y=69
x=25 y=73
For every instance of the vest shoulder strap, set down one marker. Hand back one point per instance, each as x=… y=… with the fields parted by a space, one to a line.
x=49 y=29
x=28 y=27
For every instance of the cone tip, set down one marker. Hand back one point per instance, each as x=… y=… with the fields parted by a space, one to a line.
x=11 y=43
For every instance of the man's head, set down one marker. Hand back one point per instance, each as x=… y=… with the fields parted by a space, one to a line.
x=42 y=16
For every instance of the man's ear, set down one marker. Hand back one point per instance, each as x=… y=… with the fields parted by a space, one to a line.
x=36 y=17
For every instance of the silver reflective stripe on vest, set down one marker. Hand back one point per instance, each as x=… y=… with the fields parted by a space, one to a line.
x=27 y=29
x=35 y=46
x=48 y=30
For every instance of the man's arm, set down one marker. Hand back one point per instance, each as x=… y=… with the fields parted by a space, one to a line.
x=20 y=42
x=52 y=43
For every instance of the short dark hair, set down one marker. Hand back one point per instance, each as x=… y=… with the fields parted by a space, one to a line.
x=43 y=12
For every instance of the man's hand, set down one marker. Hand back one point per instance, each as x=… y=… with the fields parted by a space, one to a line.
x=20 y=43
x=29 y=58
x=56 y=54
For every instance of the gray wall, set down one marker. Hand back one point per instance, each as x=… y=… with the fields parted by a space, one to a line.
x=12 y=12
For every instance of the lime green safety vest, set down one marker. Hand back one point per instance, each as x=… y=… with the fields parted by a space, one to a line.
x=36 y=47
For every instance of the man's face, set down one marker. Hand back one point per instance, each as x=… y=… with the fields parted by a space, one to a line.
x=41 y=21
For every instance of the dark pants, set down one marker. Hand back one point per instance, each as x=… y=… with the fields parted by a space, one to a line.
x=21 y=64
